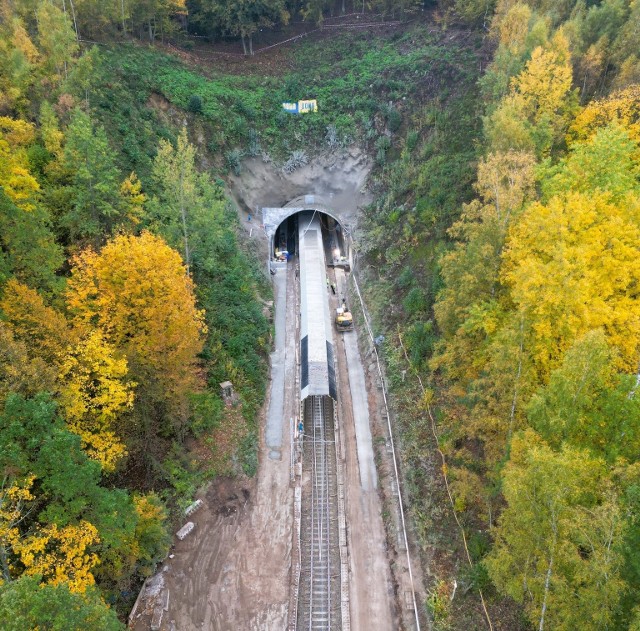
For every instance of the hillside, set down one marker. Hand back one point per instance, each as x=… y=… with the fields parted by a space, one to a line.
x=498 y=258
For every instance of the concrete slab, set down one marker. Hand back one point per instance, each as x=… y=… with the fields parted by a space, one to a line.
x=360 y=402
x=275 y=414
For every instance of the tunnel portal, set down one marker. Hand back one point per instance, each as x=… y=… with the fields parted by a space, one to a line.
x=281 y=226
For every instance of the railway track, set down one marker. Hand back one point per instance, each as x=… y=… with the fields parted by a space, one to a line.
x=319 y=608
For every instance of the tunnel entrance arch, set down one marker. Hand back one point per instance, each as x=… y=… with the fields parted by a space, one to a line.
x=275 y=219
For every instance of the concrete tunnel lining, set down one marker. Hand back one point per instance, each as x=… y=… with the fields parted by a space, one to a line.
x=274 y=217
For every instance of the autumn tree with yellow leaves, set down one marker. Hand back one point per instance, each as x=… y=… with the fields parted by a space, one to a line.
x=16 y=180
x=573 y=265
x=94 y=392
x=42 y=328
x=136 y=292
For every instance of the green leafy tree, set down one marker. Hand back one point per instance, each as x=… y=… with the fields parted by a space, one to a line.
x=151 y=18
x=553 y=550
x=582 y=170
x=176 y=177
x=57 y=39
x=314 y=10
x=96 y=208
x=243 y=18
x=26 y=605
x=28 y=249
x=628 y=479
x=587 y=405
x=225 y=282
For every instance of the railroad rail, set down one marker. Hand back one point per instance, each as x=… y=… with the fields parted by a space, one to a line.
x=319 y=608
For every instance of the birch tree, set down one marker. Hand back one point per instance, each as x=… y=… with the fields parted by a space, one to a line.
x=554 y=549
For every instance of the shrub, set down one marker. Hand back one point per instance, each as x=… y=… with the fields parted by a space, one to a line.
x=394 y=119
x=383 y=142
x=254 y=143
x=412 y=140
x=331 y=137
x=295 y=161
x=414 y=302
x=195 y=104
x=234 y=160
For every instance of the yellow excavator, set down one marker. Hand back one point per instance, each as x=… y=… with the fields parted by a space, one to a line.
x=344 y=319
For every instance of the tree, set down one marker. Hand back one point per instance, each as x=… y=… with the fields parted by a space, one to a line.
x=587 y=405
x=28 y=250
x=60 y=555
x=57 y=39
x=66 y=521
x=37 y=451
x=314 y=10
x=518 y=32
x=27 y=605
x=18 y=371
x=244 y=18
x=19 y=59
x=553 y=549
x=591 y=67
x=93 y=393
x=96 y=207
x=16 y=181
x=606 y=161
x=175 y=174
x=14 y=494
x=535 y=112
x=27 y=245
x=94 y=18
x=573 y=265
x=43 y=329
x=622 y=107
x=471 y=11
x=506 y=180
x=628 y=480
x=512 y=28
x=154 y=15
x=546 y=80
x=151 y=534
x=136 y=292
x=507 y=128
x=629 y=74
x=50 y=132
x=132 y=200
x=471 y=268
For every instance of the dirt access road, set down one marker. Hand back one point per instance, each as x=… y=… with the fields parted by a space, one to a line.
x=233 y=571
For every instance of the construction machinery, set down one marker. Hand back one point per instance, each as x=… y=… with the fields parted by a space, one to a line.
x=344 y=319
